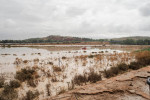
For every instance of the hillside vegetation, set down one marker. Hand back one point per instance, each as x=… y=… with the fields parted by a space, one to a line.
x=137 y=40
x=50 y=39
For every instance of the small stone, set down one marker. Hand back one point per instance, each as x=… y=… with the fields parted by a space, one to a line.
x=132 y=91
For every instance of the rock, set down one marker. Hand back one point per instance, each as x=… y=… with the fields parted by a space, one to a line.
x=130 y=85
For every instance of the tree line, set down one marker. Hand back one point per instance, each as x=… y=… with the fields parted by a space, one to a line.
x=122 y=42
x=131 y=42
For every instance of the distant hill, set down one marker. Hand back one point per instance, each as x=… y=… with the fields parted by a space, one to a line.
x=56 y=38
x=133 y=37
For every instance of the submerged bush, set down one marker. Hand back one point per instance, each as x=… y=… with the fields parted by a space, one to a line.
x=31 y=95
x=8 y=89
x=27 y=75
x=24 y=74
x=57 y=69
x=9 y=93
x=91 y=56
x=31 y=83
x=14 y=84
x=2 y=80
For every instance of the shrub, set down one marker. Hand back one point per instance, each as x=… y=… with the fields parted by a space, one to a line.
x=80 y=79
x=31 y=83
x=94 y=77
x=24 y=74
x=123 y=67
x=134 y=65
x=2 y=80
x=64 y=57
x=143 y=58
x=25 y=61
x=31 y=95
x=14 y=84
x=51 y=63
x=113 y=71
x=91 y=56
x=8 y=89
x=56 y=69
x=8 y=93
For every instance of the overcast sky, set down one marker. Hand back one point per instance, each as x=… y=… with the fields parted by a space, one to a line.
x=21 y=19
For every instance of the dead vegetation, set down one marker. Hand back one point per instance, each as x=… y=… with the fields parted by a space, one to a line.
x=142 y=60
x=91 y=77
x=28 y=75
x=57 y=69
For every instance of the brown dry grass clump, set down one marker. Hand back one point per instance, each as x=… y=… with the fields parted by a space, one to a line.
x=143 y=58
x=57 y=69
x=64 y=57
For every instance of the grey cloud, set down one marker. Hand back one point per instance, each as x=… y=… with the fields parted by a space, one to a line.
x=145 y=10
x=86 y=18
x=74 y=11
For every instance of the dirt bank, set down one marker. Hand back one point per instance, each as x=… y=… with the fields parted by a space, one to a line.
x=128 y=86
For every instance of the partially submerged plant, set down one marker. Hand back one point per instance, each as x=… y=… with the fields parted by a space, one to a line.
x=2 y=80
x=14 y=84
x=57 y=69
x=31 y=95
x=27 y=75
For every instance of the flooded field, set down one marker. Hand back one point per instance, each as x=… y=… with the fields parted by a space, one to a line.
x=56 y=67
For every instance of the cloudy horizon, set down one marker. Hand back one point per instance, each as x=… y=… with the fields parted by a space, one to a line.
x=79 y=18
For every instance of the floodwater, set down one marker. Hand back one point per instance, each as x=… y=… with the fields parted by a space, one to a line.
x=71 y=61
x=8 y=55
